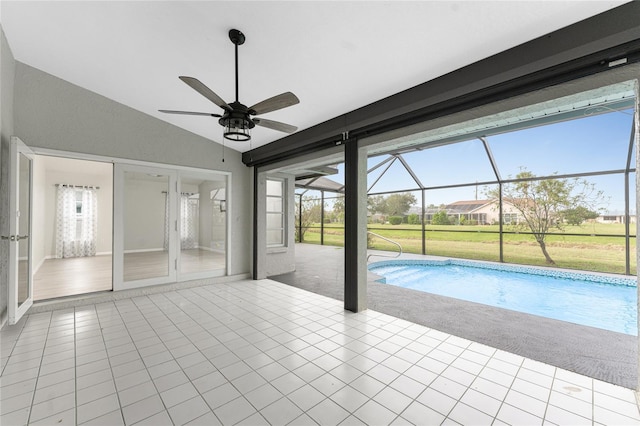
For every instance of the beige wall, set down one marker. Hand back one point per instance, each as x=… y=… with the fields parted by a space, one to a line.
x=144 y=217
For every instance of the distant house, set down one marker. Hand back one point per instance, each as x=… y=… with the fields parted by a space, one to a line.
x=615 y=217
x=480 y=212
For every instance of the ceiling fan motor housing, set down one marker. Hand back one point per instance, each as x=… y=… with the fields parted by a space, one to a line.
x=237 y=122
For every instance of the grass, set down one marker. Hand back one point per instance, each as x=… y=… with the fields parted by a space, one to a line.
x=585 y=252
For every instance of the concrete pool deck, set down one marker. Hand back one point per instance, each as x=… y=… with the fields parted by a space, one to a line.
x=600 y=354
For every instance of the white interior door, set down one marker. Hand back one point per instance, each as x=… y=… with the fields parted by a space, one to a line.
x=20 y=247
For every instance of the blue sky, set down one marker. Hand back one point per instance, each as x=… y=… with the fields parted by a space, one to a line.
x=589 y=144
x=593 y=143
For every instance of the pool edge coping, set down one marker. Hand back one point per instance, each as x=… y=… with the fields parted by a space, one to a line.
x=629 y=281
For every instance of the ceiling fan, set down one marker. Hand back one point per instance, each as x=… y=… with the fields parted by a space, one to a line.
x=237 y=118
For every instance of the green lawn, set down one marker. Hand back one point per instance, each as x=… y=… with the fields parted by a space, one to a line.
x=585 y=251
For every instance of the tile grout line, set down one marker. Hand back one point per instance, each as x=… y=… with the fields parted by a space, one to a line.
x=399 y=415
x=168 y=317
x=548 y=401
x=35 y=389
x=509 y=388
x=124 y=322
x=15 y=343
x=75 y=366
x=459 y=400
x=104 y=343
x=593 y=402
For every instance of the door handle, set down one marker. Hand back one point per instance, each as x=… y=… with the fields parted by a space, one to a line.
x=15 y=237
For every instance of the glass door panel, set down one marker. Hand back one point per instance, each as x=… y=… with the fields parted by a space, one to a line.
x=202 y=224
x=147 y=226
x=24 y=207
x=20 y=203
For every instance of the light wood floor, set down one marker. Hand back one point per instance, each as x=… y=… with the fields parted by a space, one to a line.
x=79 y=275
x=71 y=276
x=152 y=264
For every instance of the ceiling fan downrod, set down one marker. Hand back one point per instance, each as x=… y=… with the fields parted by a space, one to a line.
x=237 y=38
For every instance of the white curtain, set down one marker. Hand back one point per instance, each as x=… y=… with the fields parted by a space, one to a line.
x=188 y=222
x=76 y=223
x=189 y=211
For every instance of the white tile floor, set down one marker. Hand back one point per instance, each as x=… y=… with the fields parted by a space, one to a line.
x=262 y=352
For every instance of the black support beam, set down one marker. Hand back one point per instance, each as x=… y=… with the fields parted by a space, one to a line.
x=355 y=227
x=587 y=47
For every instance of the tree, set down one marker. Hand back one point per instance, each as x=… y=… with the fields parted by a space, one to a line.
x=543 y=203
x=311 y=213
x=399 y=204
x=338 y=208
x=440 y=218
x=578 y=215
x=376 y=204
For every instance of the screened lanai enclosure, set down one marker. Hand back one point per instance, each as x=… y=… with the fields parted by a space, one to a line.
x=548 y=184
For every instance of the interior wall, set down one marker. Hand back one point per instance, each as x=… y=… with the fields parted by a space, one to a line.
x=144 y=224
x=51 y=113
x=212 y=228
x=7 y=82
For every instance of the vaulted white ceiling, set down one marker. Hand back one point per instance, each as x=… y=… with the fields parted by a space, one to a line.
x=336 y=56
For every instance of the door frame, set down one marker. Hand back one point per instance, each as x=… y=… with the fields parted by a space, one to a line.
x=119 y=209
x=15 y=312
x=165 y=168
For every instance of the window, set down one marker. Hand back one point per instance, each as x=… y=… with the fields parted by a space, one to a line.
x=76 y=221
x=79 y=202
x=509 y=218
x=78 y=214
x=275 y=212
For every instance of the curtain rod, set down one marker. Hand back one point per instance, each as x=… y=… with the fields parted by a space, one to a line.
x=77 y=186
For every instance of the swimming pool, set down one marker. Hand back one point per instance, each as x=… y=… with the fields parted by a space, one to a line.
x=602 y=301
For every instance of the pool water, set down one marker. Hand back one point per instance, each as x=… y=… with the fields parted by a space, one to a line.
x=578 y=298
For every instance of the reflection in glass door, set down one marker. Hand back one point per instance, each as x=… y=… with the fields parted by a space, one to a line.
x=22 y=234
x=147 y=226
x=202 y=225
x=169 y=225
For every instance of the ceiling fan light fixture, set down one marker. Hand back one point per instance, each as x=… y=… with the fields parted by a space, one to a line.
x=237 y=123
x=237 y=130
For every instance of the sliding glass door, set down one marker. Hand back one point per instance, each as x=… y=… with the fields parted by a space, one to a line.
x=171 y=225
x=145 y=227
x=202 y=225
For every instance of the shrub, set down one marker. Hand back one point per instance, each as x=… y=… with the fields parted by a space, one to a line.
x=395 y=220
x=440 y=218
x=413 y=219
